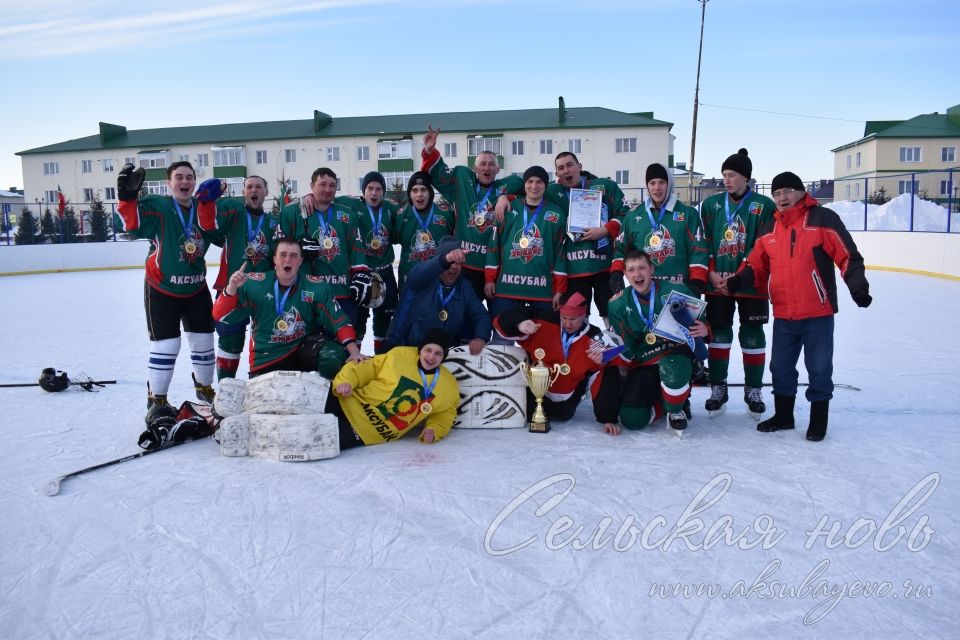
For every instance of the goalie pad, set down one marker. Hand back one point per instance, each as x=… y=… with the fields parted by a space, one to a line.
x=229 y=399
x=285 y=438
x=286 y=393
x=492 y=387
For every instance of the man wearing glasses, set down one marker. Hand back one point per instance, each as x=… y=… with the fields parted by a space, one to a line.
x=796 y=258
x=732 y=221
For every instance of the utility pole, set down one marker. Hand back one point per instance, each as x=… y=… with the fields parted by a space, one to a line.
x=696 y=99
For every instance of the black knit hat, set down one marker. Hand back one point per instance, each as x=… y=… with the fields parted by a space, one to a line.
x=438 y=337
x=373 y=176
x=657 y=170
x=740 y=163
x=787 y=179
x=422 y=179
x=536 y=171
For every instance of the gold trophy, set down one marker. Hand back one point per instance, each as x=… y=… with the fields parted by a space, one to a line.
x=539 y=379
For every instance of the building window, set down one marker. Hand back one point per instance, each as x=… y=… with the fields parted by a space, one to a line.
x=228 y=157
x=909 y=154
x=338 y=184
x=573 y=145
x=476 y=145
x=234 y=186
x=129 y=161
x=51 y=196
x=363 y=153
x=293 y=187
x=184 y=157
x=51 y=168
x=546 y=147
x=107 y=164
x=517 y=147
x=906 y=186
x=333 y=154
x=289 y=155
x=153 y=160
x=626 y=145
x=848 y=191
x=86 y=166
x=157 y=187
x=623 y=176
x=858 y=158
x=849 y=161
x=261 y=157
x=948 y=154
x=449 y=149
x=394 y=149
x=110 y=193
x=856 y=189
x=397 y=179
x=88 y=195
x=203 y=160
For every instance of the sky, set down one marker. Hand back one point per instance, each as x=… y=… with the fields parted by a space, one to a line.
x=787 y=81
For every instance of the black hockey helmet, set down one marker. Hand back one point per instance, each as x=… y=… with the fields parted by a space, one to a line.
x=53 y=380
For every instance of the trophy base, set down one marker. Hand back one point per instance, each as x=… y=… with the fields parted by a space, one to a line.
x=539 y=427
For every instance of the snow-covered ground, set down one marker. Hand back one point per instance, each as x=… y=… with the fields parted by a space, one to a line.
x=489 y=534
x=895 y=215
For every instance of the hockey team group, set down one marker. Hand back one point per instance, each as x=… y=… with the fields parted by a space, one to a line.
x=493 y=263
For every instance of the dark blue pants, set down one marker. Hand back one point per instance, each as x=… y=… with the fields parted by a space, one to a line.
x=815 y=337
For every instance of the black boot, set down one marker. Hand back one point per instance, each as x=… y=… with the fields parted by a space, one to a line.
x=819 y=411
x=782 y=417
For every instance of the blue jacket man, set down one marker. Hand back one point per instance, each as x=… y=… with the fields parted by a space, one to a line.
x=434 y=296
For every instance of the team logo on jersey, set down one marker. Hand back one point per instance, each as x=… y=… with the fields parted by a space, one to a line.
x=257 y=250
x=306 y=296
x=679 y=216
x=482 y=219
x=195 y=242
x=376 y=243
x=733 y=239
x=343 y=216
x=329 y=243
x=551 y=216
x=401 y=407
x=659 y=245
x=289 y=327
x=527 y=246
x=756 y=208
x=422 y=246
x=258 y=277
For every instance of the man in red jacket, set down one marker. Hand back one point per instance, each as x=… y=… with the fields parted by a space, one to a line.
x=796 y=257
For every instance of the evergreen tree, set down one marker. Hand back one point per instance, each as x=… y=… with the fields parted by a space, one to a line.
x=28 y=229
x=879 y=197
x=98 y=220
x=48 y=226
x=398 y=193
x=71 y=228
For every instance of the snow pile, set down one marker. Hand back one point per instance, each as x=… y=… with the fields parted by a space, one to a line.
x=895 y=215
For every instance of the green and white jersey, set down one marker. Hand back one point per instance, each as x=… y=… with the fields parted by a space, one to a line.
x=631 y=319
x=731 y=229
x=375 y=225
x=419 y=232
x=586 y=257
x=245 y=236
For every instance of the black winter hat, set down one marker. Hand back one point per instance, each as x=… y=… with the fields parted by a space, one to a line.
x=436 y=336
x=373 y=176
x=420 y=178
x=740 y=163
x=657 y=170
x=536 y=171
x=787 y=179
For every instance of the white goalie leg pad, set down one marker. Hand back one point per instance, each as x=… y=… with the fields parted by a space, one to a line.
x=286 y=393
x=284 y=438
x=492 y=387
x=229 y=399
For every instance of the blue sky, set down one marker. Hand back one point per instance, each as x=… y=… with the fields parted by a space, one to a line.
x=68 y=65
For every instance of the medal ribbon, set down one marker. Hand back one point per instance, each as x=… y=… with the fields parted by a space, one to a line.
x=566 y=341
x=324 y=223
x=277 y=300
x=377 y=222
x=533 y=220
x=653 y=292
x=188 y=225
x=444 y=301
x=428 y=388
x=656 y=225
x=424 y=225
x=251 y=232
x=726 y=206
x=482 y=204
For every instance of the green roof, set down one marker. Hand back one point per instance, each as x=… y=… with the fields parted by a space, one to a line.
x=928 y=125
x=322 y=126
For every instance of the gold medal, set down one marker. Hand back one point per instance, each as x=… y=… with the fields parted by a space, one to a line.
x=729 y=234
x=425 y=407
x=250 y=251
x=479 y=219
x=328 y=243
x=443 y=315
x=655 y=241
x=282 y=325
x=651 y=339
x=190 y=247
x=564 y=369
x=424 y=237
x=524 y=242
x=375 y=244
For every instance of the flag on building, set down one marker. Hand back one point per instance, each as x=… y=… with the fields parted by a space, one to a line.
x=61 y=202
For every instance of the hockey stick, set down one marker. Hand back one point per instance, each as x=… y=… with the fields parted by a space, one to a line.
x=37 y=384
x=52 y=488
x=849 y=387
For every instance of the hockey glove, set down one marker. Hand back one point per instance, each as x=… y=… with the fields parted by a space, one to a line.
x=209 y=190
x=739 y=281
x=129 y=181
x=163 y=432
x=310 y=249
x=861 y=295
x=53 y=380
x=616 y=282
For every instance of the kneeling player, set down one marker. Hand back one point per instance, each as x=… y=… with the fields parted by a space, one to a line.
x=653 y=362
x=385 y=397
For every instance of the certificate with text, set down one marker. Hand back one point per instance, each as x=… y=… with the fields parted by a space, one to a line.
x=584 y=210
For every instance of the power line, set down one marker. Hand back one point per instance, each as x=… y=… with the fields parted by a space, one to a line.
x=779 y=113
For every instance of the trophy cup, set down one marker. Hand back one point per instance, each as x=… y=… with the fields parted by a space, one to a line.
x=539 y=379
